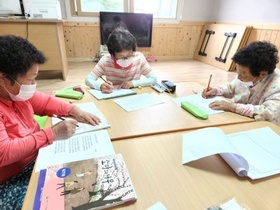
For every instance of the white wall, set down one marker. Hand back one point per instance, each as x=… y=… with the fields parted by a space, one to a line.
x=199 y=10
x=243 y=11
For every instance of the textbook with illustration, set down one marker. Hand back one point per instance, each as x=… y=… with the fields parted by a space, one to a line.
x=116 y=93
x=84 y=127
x=253 y=153
x=95 y=183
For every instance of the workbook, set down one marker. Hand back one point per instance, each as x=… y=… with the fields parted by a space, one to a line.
x=116 y=93
x=84 y=127
x=95 y=183
x=253 y=153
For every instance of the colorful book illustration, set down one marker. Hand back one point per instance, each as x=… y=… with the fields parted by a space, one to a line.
x=95 y=183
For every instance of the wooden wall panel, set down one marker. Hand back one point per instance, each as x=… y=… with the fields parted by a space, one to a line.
x=82 y=39
x=269 y=33
x=169 y=41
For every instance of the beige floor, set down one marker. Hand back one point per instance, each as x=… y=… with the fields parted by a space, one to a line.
x=175 y=71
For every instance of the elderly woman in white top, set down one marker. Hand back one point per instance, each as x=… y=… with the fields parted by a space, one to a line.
x=256 y=89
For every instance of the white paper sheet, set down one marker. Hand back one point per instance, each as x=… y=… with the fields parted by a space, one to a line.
x=255 y=153
x=200 y=102
x=84 y=127
x=138 y=102
x=261 y=149
x=116 y=93
x=78 y=147
x=157 y=206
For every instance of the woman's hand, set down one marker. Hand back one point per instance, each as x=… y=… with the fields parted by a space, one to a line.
x=64 y=129
x=223 y=105
x=211 y=92
x=107 y=87
x=126 y=85
x=84 y=117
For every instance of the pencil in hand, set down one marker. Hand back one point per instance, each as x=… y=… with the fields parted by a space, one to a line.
x=104 y=80
x=208 y=86
x=61 y=118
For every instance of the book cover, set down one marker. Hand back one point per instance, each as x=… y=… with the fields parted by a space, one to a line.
x=96 y=183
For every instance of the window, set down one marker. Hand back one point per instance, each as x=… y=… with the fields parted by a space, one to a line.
x=161 y=9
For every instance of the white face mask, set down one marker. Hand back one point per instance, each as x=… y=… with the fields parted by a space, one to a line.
x=25 y=92
x=247 y=84
x=125 y=62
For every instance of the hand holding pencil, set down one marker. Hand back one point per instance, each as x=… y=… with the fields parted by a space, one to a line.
x=209 y=92
x=63 y=129
x=107 y=86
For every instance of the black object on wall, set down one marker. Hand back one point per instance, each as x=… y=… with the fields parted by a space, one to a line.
x=139 y=24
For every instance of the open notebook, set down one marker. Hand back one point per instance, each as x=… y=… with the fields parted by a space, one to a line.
x=253 y=153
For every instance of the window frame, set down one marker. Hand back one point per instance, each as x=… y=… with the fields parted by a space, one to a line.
x=128 y=7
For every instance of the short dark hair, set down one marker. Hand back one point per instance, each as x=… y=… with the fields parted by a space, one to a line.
x=258 y=56
x=17 y=56
x=120 y=39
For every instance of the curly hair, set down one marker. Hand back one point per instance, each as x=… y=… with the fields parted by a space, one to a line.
x=17 y=56
x=120 y=39
x=258 y=56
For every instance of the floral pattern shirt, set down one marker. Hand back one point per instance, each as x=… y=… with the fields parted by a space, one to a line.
x=262 y=100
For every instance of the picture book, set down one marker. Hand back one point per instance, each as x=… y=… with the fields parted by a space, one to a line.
x=116 y=93
x=253 y=153
x=96 y=183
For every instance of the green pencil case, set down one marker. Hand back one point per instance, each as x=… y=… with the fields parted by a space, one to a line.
x=69 y=93
x=194 y=110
